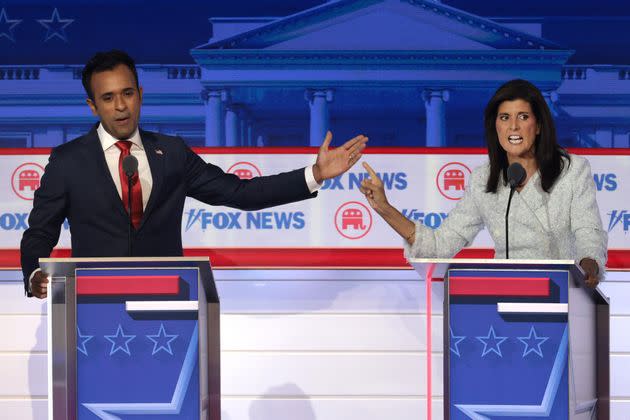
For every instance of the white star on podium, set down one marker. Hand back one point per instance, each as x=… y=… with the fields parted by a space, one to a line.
x=162 y=341
x=532 y=343
x=83 y=339
x=455 y=340
x=491 y=343
x=117 y=341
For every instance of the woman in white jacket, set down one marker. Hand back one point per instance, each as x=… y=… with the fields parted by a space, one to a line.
x=554 y=214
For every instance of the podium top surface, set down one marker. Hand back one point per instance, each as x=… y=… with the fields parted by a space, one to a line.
x=438 y=266
x=66 y=266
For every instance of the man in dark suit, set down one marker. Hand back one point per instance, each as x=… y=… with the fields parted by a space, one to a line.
x=85 y=182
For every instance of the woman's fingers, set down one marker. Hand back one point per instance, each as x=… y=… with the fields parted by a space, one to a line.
x=371 y=171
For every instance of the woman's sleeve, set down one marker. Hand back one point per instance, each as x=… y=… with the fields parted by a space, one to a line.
x=591 y=240
x=458 y=230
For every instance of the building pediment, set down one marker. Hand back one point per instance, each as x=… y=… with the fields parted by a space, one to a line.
x=392 y=25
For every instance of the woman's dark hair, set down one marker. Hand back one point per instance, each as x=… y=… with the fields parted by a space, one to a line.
x=104 y=61
x=547 y=152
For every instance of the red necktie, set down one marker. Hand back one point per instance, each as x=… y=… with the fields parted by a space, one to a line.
x=136 y=189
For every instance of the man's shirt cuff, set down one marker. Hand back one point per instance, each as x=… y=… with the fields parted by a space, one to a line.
x=310 y=179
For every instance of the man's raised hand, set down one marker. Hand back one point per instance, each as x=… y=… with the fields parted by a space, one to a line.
x=333 y=162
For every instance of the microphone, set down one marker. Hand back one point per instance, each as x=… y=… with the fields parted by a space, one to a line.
x=516 y=175
x=130 y=168
x=130 y=165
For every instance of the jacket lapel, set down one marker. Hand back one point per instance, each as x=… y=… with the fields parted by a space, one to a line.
x=534 y=198
x=155 y=157
x=531 y=201
x=104 y=177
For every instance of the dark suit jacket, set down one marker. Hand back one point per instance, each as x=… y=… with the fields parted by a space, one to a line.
x=77 y=185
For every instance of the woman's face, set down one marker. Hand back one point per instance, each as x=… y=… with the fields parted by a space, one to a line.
x=517 y=129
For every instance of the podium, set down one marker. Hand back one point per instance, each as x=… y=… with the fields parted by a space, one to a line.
x=134 y=337
x=521 y=339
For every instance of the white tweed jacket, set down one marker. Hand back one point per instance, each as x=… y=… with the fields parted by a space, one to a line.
x=562 y=224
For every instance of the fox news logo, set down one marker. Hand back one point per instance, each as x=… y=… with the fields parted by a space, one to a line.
x=236 y=220
x=19 y=221
x=429 y=219
x=14 y=221
x=619 y=218
x=605 y=181
x=352 y=181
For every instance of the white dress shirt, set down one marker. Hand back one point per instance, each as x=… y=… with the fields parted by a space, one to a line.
x=112 y=155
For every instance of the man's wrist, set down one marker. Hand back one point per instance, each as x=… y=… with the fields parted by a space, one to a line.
x=311 y=182
x=317 y=174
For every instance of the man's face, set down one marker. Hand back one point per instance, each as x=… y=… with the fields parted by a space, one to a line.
x=117 y=101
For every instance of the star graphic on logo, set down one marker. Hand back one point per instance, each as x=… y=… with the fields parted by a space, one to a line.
x=56 y=27
x=491 y=343
x=455 y=340
x=7 y=25
x=164 y=340
x=532 y=343
x=83 y=339
x=120 y=341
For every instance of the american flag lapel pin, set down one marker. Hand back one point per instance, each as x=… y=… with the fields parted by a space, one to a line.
x=159 y=152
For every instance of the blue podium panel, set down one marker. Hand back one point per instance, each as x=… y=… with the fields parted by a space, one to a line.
x=132 y=362
x=508 y=339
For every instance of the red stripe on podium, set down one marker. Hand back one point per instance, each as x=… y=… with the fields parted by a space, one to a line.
x=127 y=285
x=498 y=286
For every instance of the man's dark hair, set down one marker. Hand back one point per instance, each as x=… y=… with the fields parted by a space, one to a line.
x=104 y=61
x=547 y=152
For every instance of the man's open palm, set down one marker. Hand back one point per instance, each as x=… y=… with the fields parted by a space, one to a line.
x=334 y=162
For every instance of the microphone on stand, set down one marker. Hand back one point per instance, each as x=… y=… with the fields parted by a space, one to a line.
x=516 y=175
x=130 y=168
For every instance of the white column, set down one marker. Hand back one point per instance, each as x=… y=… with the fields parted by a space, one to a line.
x=245 y=125
x=213 y=99
x=231 y=126
x=250 y=133
x=318 y=100
x=435 y=105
